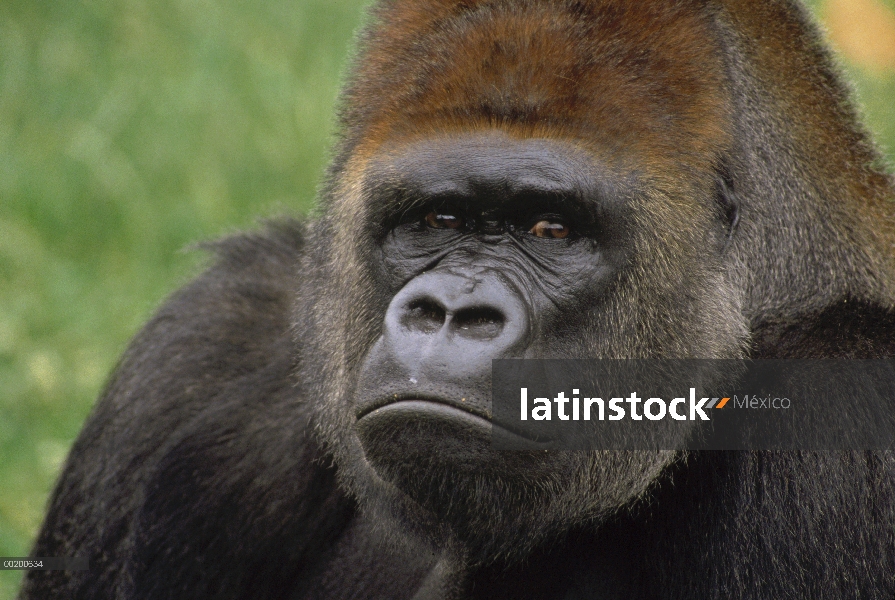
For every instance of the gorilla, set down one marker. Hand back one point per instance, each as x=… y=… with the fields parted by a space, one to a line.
x=310 y=417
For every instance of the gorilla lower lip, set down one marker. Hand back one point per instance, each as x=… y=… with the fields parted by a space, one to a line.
x=400 y=401
x=425 y=406
x=416 y=410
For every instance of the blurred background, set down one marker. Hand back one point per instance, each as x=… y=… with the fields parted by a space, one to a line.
x=130 y=129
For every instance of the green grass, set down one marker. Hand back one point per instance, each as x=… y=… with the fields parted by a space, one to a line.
x=130 y=129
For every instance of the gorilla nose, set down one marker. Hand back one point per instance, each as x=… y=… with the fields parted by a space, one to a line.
x=427 y=315
x=461 y=317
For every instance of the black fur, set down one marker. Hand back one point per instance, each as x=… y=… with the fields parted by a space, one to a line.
x=219 y=456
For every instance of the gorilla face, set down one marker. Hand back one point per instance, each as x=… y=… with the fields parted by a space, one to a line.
x=490 y=246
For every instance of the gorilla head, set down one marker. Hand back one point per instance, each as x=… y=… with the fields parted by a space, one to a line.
x=530 y=180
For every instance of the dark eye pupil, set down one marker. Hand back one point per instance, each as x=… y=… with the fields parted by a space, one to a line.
x=438 y=220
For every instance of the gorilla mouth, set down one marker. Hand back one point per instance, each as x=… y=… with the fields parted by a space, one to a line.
x=461 y=417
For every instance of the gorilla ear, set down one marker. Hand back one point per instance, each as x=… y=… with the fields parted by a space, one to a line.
x=728 y=204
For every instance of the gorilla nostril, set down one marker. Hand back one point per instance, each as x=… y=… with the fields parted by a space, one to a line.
x=479 y=322
x=424 y=315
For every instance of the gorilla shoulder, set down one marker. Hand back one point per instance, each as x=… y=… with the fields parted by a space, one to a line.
x=190 y=418
x=229 y=327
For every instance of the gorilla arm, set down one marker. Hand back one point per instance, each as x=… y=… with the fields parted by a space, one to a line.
x=183 y=480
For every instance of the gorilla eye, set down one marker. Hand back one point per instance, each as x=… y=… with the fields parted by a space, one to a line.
x=437 y=220
x=551 y=229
